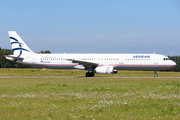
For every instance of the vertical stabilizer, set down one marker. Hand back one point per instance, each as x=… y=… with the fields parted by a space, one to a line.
x=19 y=47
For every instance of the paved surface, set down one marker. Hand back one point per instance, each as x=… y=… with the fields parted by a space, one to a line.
x=78 y=77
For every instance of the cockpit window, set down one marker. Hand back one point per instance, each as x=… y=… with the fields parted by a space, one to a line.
x=166 y=59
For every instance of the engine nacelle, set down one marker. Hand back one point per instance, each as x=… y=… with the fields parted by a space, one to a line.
x=105 y=70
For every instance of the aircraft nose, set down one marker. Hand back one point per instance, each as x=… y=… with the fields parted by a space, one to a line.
x=173 y=63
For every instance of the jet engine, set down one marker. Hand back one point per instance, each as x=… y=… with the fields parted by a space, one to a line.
x=105 y=70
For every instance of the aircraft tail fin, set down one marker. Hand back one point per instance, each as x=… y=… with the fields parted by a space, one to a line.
x=19 y=47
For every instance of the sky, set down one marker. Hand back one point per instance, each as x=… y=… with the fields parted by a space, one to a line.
x=93 y=26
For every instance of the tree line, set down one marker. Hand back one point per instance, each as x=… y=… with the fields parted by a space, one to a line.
x=4 y=63
x=176 y=59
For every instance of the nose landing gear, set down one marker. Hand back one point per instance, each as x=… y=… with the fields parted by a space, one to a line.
x=155 y=74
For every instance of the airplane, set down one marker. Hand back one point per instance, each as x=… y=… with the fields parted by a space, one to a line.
x=93 y=63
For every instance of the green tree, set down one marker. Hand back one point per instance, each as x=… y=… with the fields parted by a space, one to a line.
x=176 y=59
x=46 y=51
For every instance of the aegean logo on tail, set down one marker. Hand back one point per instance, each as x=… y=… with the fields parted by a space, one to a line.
x=20 y=46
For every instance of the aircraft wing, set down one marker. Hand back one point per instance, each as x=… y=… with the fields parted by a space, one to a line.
x=84 y=63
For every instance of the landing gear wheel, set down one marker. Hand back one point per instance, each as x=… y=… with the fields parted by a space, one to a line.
x=89 y=74
x=92 y=74
x=155 y=75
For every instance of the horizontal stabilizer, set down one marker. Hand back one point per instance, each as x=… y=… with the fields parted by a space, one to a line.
x=14 y=57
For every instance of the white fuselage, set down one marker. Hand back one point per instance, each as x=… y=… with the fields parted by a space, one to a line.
x=118 y=61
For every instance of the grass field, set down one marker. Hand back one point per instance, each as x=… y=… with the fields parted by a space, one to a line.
x=50 y=72
x=88 y=98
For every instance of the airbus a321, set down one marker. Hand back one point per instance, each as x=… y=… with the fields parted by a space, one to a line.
x=93 y=63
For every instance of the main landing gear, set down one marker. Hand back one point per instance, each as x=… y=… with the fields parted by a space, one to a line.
x=155 y=74
x=90 y=74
